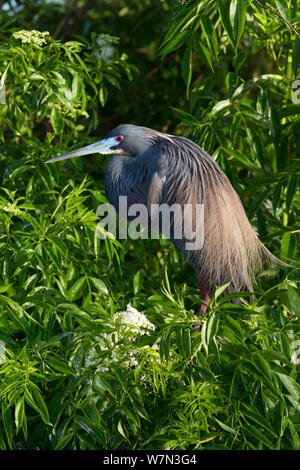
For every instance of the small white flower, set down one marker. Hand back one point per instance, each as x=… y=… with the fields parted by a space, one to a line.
x=130 y=320
x=32 y=37
x=134 y=321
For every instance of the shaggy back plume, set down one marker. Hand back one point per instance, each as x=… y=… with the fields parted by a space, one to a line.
x=231 y=250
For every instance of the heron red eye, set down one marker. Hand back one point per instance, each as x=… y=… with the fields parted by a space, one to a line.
x=119 y=138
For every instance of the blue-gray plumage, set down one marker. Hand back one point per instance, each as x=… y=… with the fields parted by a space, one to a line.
x=150 y=167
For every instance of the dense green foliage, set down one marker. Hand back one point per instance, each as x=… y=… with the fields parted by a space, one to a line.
x=71 y=376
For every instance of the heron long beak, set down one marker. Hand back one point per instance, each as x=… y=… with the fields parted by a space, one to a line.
x=103 y=146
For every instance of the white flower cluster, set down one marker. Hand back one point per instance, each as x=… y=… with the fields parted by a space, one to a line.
x=130 y=320
x=133 y=320
x=32 y=37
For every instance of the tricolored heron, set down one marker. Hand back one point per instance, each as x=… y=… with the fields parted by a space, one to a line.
x=150 y=167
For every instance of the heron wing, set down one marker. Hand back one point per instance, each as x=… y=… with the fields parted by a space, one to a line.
x=230 y=248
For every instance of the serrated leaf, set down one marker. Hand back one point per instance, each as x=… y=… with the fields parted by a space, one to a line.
x=7 y=421
x=19 y=413
x=294 y=299
x=91 y=429
x=202 y=51
x=225 y=427
x=262 y=365
x=240 y=157
x=291 y=190
x=210 y=34
x=220 y=106
x=77 y=86
x=64 y=441
x=237 y=14
x=187 y=118
x=291 y=385
x=77 y=289
x=186 y=68
x=254 y=431
x=224 y=14
x=34 y=398
x=271 y=355
x=286 y=243
x=60 y=366
x=56 y=120
x=176 y=42
x=221 y=289
x=137 y=282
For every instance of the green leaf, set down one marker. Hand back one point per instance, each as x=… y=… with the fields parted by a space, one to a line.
x=4 y=287
x=137 y=282
x=271 y=355
x=202 y=51
x=77 y=86
x=56 y=120
x=121 y=430
x=239 y=60
x=210 y=34
x=255 y=205
x=225 y=427
x=260 y=436
x=276 y=197
x=294 y=299
x=253 y=414
x=103 y=94
x=77 y=289
x=294 y=435
x=100 y=285
x=186 y=341
x=19 y=412
x=256 y=145
x=235 y=327
x=60 y=366
x=283 y=9
x=186 y=68
x=262 y=365
x=291 y=190
x=291 y=385
x=286 y=245
x=7 y=421
x=211 y=327
x=176 y=42
x=240 y=157
x=237 y=14
x=34 y=398
x=296 y=59
x=92 y=429
x=64 y=441
x=219 y=107
x=221 y=289
x=224 y=14
x=187 y=118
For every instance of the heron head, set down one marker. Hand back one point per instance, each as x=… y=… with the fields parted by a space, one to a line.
x=126 y=139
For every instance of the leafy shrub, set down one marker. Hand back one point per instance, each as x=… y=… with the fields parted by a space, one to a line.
x=72 y=376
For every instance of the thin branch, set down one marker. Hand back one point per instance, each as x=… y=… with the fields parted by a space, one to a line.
x=78 y=17
x=279 y=16
x=65 y=20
